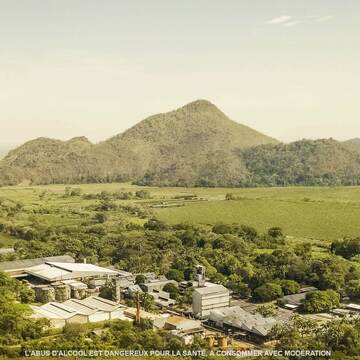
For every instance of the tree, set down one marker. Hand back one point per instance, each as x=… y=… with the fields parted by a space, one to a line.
x=156 y=225
x=140 y=279
x=318 y=301
x=100 y=217
x=267 y=292
x=267 y=310
x=289 y=287
x=346 y=248
x=353 y=289
x=26 y=294
x=175 y=274
x=173 y=290
x=275 y=232
x=147 y=301
x=222 y=229
x=143 y=194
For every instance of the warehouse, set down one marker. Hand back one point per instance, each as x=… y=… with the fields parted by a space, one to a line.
x=58 y=271
x=114 y=310
x=208 y=298
x=235 y=319
x=59 y=314
x=91 y=309
x=17 y=268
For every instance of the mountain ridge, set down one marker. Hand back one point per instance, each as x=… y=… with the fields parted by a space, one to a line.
x=194 y=145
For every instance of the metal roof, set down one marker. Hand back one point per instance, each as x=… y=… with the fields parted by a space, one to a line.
x=353 y=306
x=81 y=267
x=237 y=317
x=56 y=271
x=80 y=307
x=49 y=273
x=26 y=263
x=100 y=303
x=61 y=310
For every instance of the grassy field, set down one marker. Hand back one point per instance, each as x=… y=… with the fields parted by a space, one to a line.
x=323 y=213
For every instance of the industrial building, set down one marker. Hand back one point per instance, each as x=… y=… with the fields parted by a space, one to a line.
x=16 y=268
x=157 y=284
x=91 y=309
x=208 y=298
x=293 y=301
x=183 y=328
x=59 y=271
x=59 y=278
x=240 y=322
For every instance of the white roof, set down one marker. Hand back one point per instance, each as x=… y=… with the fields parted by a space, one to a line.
x=43 y=313
x=48 y=272
x=61 y=310
x=100 y=303
x=80 y=307
x=213 y=289
x=353 y=306
x=81 y=267
x=55 y=271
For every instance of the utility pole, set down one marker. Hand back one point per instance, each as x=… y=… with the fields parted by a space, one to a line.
x=137 y=317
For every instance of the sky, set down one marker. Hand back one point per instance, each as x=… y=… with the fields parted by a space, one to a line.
x=288 y=68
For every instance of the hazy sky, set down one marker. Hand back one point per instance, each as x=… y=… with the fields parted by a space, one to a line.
x=289 y=68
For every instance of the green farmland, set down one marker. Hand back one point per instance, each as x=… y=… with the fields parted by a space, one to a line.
x=326 y=220
x=324 y=213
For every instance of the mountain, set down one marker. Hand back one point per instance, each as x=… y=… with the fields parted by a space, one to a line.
x=4 y=149
x=353 y=144
x=44 y=161
x=196 y=144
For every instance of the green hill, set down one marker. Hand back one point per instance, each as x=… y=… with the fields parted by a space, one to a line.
x=353 y=144
x=195 y=145
x=191 y=145
x=305 y=162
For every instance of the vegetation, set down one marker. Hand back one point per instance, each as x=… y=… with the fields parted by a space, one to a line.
x=339 y=336
x=161 y=150
x=320 y=301
x=96 y=222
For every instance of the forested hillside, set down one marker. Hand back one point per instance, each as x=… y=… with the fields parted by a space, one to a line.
x=305 y=162
x=353 y=144
x=195 y=145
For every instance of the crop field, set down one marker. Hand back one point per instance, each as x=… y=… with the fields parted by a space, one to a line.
x=321 y=213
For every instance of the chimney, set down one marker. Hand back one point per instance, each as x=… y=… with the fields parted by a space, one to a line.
x=84 y=260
